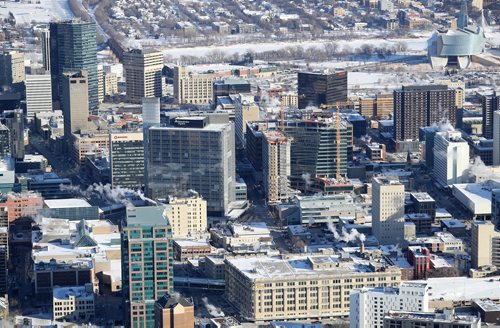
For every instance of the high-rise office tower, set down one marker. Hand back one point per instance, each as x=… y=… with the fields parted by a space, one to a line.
x=490 y=103
x=74 y=102
x=276 y=165
x=14 y=120
x=143 y=74
x=100 y=83
x=147 y=272
x=496 y=138
x=38 y=94
x=12 y=71
x=196 y=153
x=73 y=48
x=388 y=199
x=315 y=151
x=451 y=158
x=4 y=141
x=4 y=250
x=150 y=118
x=45 y=40
x=127 y=159
x=420 y=106
x=485 y=245
x=427 y=134
x=316 y=89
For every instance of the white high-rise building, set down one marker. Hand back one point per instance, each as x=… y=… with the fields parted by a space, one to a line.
x=276 y=167
x=368 y=306
x=246 y=111
x=451 y=158
x=496 y=138
x=38 y=94
x=388 y=199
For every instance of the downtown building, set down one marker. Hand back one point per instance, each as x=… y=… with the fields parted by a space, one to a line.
x=38 y=94
x=421 y=106
x=195 y=153
x=316 y=89
x=388 y=199
x=147 y=273
x=143 y=70
x=315 y=152
x=490 y=102
x=301 y=287
x=451 y=158
x=276 y=165
x=193 y=88
x=368 y=306
x=127 y=159
x=73 y=48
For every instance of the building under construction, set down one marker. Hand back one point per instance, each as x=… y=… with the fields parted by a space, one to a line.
x=321 y=148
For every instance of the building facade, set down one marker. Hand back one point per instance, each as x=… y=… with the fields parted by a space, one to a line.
x=421 y=106
x=368 y=306
x=74 y=102
x=73 y=304
x=485 y=245
x=127 y=159
x=147 y=272
x=193 y=88
x=316 y=89
x=315 y=151
x=143 y=70
x=304 y=288
x=276 y=167
x=38 y=94
x=496 y=138
x=187 y=215
x=246 y=111
x=388 y=199
x=12 y=68
x=174 y=312
x=73 y=48
x=194 y=154
x=451 y=158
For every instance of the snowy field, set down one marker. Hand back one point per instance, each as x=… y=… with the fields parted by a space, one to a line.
x=416 y=45
x=43 y=12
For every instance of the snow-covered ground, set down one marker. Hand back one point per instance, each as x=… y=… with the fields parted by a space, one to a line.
x=414 y=45
x=381 y=81
x=43 y=12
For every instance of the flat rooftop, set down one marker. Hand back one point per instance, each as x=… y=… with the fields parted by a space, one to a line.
x=276 y=266
x=64 y=293
x=463 y=288
x=66 y=203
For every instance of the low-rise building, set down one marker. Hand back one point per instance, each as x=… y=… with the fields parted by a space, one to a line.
x=174 y=312
x=435 y=320
x=440 y=242
x=72 y=253
x=185 y=249
x=326 y=208
x=241 y=237
x=73 y=304
x=302 y=287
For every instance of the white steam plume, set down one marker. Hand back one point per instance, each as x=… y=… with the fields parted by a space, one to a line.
x=212 y=309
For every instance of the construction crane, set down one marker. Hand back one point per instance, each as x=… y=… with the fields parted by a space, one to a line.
x=337 y=106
